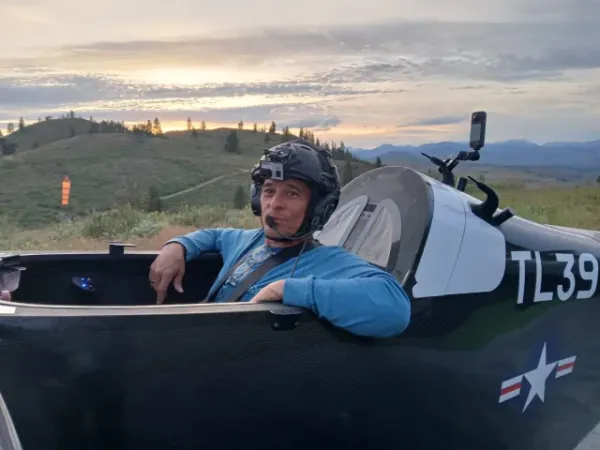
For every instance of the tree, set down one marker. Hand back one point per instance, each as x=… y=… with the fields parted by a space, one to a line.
x=8 y=147
x=153 y=202
x=232 y=143
x=189 y=124
x=285 y=135
x=598 y=179
x=10 y=127
x=255 y=128
x=203 y=126
x=272 y=128
x=94 y=128
x=239 y=198
x=309 y=136
x=21 y=124
x=156 y=128
x=348 y=176
x=241 y=125
x=378 y=162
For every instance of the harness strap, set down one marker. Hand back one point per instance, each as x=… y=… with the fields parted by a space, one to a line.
x=269 y=263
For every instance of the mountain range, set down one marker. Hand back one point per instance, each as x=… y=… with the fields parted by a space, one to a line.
x=583 y=156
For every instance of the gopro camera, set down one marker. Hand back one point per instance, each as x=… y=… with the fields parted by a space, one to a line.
x=478 y=121
x=271 y=170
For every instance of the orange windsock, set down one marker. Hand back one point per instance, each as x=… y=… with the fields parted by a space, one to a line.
x=66 y=190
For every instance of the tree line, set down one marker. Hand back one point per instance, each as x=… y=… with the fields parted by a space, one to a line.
x=153 y=128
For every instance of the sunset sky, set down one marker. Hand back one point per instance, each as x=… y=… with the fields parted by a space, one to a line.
x=366 y=72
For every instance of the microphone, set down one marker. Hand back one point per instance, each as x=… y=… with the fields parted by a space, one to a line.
x=271 y=223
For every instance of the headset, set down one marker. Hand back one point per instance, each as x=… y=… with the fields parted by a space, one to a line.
x=300 y=160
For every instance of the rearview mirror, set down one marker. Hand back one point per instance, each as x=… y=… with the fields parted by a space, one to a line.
x=478 y=120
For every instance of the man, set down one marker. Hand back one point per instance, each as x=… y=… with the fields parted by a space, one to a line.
x=295 y=190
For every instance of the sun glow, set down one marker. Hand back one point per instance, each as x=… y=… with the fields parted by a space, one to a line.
x=194 y=77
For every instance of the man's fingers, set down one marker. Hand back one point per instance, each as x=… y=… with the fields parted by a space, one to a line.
x=177 y=283
x=161 y=285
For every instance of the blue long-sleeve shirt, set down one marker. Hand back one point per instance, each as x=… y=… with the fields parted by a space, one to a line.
x=337 y=285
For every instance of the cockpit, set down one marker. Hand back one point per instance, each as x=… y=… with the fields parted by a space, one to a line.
x=382 y=217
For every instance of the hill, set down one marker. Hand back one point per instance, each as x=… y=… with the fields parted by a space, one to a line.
x=557 y=205
x=559 y=160
x=48 y=131
x=108 y=170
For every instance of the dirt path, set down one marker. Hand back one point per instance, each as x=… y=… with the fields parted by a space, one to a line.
x=201 y=185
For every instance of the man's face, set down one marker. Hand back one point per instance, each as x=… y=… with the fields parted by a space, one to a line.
x=286 y=201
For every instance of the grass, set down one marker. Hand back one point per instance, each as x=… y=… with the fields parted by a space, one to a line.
x=146 y=230
x=113 y=174
x=110 y=170
x=45 y=132
x=558 y=205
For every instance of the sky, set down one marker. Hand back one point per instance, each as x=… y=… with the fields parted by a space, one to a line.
x=366 y=73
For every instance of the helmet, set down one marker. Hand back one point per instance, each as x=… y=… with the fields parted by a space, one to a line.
x=300 y=160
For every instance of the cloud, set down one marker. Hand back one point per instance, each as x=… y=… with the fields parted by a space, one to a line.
x=477 y=50
x=445 y=120
x=62 y=90
x=291 y=114
x=537 y=55
x=316 y=122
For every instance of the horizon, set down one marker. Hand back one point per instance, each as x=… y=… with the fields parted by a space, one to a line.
x=248 y=127
x=401 y=72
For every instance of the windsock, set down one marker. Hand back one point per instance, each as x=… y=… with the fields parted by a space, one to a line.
x=66 y=191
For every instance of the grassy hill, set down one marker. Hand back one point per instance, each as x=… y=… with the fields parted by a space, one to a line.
x=557 y=205
x=109 y=170
x=48 y=131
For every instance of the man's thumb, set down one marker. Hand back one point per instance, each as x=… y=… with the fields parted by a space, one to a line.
x=177 y=282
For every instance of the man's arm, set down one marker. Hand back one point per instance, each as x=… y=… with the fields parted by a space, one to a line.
x=374 y=305
x=201 y=241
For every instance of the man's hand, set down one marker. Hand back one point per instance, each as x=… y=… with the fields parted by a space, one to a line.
x=270 y=293
x=168 y=266
x=5 y=295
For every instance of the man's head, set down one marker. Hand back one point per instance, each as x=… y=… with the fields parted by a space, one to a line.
x=297 y=185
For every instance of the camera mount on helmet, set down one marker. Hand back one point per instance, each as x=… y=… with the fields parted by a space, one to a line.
x=304 y=161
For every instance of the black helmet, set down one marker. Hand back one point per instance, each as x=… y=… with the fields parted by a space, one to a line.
x=300 y=160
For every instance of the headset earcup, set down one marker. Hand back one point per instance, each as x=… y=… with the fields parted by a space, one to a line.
x=255 y=198
x=323 y=210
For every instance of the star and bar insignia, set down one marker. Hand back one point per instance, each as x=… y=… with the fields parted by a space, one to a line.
x=536 y=378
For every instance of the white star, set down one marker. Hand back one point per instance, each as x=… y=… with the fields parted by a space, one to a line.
x=537 y=378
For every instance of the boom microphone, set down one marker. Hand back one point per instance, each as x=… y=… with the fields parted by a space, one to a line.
x=271 y=223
